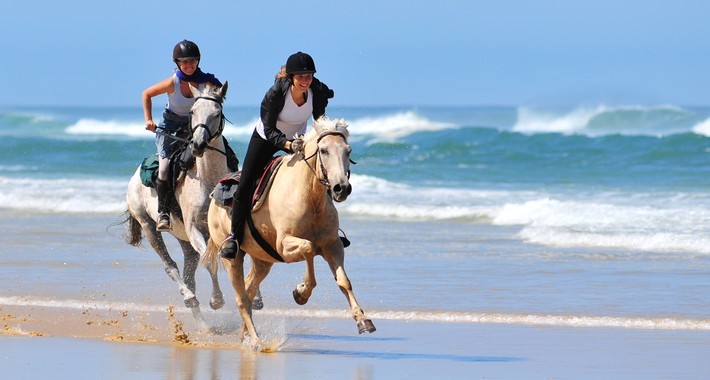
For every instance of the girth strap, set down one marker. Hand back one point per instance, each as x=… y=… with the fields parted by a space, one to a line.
x=260 y=240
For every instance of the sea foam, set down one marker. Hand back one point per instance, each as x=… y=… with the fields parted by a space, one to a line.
x=63 y=195
x=135 y=129
x=398 y=315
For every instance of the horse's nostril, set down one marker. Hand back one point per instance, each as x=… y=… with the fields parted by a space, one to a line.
x=337 y=189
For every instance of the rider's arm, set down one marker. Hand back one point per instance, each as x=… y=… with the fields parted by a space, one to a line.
x=162 y=87
x=271 y=107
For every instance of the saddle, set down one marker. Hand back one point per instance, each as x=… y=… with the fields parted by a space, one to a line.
x=181 y=161
x=227 y=186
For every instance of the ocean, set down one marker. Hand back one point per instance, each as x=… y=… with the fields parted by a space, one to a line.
x=590 y=216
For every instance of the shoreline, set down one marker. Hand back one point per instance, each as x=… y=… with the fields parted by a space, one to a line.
x=416 y=349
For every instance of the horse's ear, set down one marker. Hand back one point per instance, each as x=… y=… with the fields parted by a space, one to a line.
x=318 y=124
x=222 y=91
x=195 y=91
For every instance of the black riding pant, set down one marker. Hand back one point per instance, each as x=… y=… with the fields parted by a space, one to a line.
x=259 y=153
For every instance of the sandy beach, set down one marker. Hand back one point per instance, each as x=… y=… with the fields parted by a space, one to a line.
x=87 y=305
x=51 y=342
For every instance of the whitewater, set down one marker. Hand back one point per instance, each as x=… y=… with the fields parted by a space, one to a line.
x=585 y=216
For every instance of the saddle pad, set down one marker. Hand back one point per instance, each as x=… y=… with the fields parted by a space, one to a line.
x=267 y=178
x=227 y=186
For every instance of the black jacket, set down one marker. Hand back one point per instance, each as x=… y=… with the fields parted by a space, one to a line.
x=275 y=99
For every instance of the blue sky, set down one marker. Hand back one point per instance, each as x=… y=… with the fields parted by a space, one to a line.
x=387 y=52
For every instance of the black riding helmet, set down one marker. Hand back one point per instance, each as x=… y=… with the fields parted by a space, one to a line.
x=300 y=63
x=186 y=50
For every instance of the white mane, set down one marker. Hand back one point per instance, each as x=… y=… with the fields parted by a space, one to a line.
x=324 y=124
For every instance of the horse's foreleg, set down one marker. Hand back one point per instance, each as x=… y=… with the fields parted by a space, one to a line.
x=296 y=249
x=192 y=259
x=235 y=272
x=197 y=242
x=189 y=268
x=335 y=261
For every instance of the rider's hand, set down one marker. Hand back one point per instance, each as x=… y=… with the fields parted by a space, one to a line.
x=150 y=125
x=297 y=145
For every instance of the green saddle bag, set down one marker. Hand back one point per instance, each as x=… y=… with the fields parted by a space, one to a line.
x=149 y=170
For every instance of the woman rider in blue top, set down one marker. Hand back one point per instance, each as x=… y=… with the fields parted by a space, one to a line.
x=176 y=116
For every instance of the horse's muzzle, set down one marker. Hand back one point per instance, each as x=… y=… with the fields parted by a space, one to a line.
x=198 y=149
x=341 y=192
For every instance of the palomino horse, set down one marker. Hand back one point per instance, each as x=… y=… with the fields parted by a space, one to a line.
x=192 y=194
x=298 y=219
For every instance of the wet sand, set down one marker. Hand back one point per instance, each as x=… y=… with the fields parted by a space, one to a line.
x=84 y=305
x=59 y=342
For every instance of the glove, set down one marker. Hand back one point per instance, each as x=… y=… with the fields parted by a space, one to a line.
x=297 y=145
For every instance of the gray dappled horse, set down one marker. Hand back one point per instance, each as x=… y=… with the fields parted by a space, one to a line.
x=298 y=220
x=192 y=193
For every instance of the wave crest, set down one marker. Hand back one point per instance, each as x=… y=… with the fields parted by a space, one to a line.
x=602 y=120
x=393 y=127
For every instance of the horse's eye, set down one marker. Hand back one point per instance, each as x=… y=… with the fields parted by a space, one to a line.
x=323 y=151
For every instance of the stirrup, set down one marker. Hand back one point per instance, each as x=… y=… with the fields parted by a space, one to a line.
x=163 y=222
x=231 y=247
x=344 y=239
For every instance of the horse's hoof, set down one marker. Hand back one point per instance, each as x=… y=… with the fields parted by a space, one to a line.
x=192 y=302
x=365 y=326
x=216 y=303
x=301 y=300
x=257 y=304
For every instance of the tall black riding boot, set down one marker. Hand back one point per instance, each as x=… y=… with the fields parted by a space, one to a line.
x=239 y=215
x=163 y=190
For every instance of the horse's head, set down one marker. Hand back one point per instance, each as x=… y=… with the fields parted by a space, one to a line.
x=207 y=119
x=329 y=142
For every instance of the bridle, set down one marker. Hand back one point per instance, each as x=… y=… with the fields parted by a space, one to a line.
x=324 y=180
x=210 y=136
x=202 y=125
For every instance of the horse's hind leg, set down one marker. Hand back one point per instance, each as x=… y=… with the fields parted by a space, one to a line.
x=171 y=268
x=335 y=262
x=235 y=272
x=217 y=300
x=257 y=273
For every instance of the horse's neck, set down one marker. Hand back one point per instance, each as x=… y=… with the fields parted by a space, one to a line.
x=312 y=182
x=212 y=166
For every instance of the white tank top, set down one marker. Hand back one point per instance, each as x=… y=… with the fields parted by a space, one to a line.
x=292 y=119
x=177 y=102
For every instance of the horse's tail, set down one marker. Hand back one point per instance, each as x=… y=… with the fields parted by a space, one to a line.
x=211 y=257
x=134 y=232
